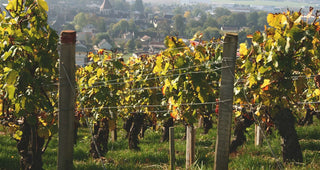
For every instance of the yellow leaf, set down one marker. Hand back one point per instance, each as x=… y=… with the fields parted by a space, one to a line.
x=88 y=68
x=243 y=49
x=17 y=135
x=164 y=72
x=259 y=57
x=107 y=57
x=92 y=80
x=99 y=72
x=266 y=82
x=96 y=58
x=198 y=89
x=17 y=107
x=316 y=93
x=1 y=105
x=257 y=113
x=200 y=97
x=43 y=4
x=308 y=72
x=238 y=113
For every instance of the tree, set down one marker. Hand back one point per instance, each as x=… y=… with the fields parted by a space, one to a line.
x=179 y=24
x=120 y=5
x=211 y=32
x=80 y=20
x=138 y=6
x=132 y=26
x=238 y=19
x=100 y=36
x=219 y=12
x=253 y=18
x=178 y=11
x=131 y=45
x=119 y=28
x=28 y=71
x=211 y=22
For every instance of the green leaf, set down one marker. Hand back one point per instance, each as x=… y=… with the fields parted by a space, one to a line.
x=252 y=80
x=118 y=65
x=6 y=55
x=263 y=69
x=296 y=33
x=12 y=77
x=28 y=49
x=10 y=90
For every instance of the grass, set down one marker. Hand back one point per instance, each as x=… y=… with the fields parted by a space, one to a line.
x=154 y=154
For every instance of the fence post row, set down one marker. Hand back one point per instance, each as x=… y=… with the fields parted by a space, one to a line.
x=171 y=148
x=190 y=146
x=66 y=100
x=226 y=101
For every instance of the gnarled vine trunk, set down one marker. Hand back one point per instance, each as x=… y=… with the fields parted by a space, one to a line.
x=30 y=148
x=284 y=121
x=99 y=143
x=242 y=123
x=308 y=119
x=137 y=123
x=127 y=125
x=207 y=123
x=166 y=125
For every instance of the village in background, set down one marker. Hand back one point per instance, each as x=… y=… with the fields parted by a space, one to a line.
x=135 y=27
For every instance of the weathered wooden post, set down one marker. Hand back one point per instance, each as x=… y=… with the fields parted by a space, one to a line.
x=190 y=146
x=258 y=137
x=66 y=100
x=226 y=101
x=171 y=148
x=113 y=130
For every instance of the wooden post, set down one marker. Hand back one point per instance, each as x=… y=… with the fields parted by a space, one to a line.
x=226 y=102
x=190 y=146
x=66 y=100
x=113 y=130
x=200 y=122
x=258 y=137
x=171 y=148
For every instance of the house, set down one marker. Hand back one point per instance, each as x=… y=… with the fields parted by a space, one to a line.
x=230 y=29
x=104 y=44
x=81 y=54
x=84 y=37
x=106 y=8
x=89 y=28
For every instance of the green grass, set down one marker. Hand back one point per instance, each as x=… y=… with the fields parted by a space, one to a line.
x=154 y=154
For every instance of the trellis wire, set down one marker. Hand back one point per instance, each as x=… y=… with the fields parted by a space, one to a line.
x=153 y=78
x=148 y=74
x=148 y=106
